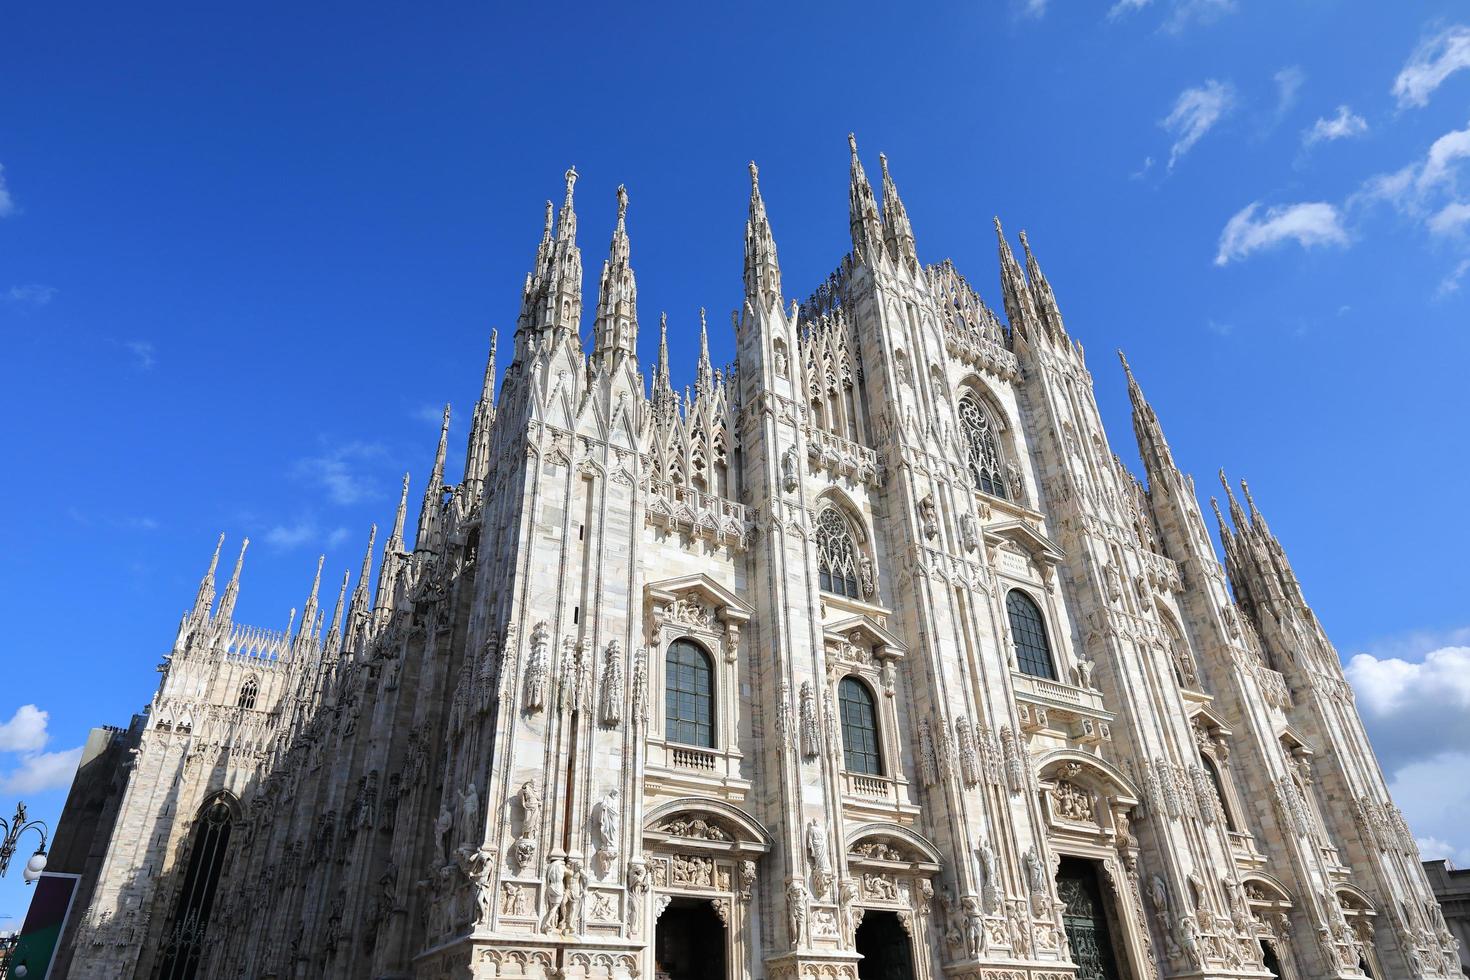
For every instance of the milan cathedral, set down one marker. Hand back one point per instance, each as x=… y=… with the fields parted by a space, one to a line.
x=864 y=658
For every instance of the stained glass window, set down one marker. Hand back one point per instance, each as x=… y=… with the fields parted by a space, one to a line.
x=981 y=452
x=837 y=556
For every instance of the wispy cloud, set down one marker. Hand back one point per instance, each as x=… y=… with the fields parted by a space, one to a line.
x=32 y=295
x=1307 y=224
x=7 y=203
x=287 y=537
x=1436 y=59
x=1345 y=125
x=1195 y=113
x=1034 y=8
x=1182 y=13
x=338 y=471
x=143 y=353
x=1423 y=187
x=42 y=771
x=1289 y=82
x=1450 y=284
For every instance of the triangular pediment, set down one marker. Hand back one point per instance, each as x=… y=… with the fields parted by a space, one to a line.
x=722 y=599
x=882 y=642
x=1027 y=538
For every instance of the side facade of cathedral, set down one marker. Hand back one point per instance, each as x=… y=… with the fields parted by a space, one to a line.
x=866 y=658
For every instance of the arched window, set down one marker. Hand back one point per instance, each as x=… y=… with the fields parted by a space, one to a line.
x=837 y=555
x=689 y=701
x=1028 y=632
x=183 y=942
x=248 y=692
x=1219 y=784
x=860 y=751
x=981 y=452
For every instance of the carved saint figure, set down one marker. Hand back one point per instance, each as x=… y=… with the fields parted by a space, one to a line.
x=607 y=830
x=553 y=915
x=530 y=801
x=974 y=927
x=469 y=810
x=796 y=912
x=611 y=703
x=538 y=667
x=444 y=829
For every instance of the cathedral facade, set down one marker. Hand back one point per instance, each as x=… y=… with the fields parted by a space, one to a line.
x=864 y=658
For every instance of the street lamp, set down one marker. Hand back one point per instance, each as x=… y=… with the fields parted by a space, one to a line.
x=13 y=828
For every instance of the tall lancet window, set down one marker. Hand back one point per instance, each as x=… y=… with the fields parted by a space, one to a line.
x=1028 y=633
x=982 y=454
x=689 y=695
x=860 y=751
x=183 y=943
x=248 y=693
x=837 y=555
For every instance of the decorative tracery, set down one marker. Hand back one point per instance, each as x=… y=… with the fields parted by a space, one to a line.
x=837 y=555
x=982 y=454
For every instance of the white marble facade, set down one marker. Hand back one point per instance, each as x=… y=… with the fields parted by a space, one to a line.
x=897 y=510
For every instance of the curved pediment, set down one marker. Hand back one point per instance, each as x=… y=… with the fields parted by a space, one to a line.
x=705 y=824
x=1101 y=775
x=889 y=843
x=863 y=630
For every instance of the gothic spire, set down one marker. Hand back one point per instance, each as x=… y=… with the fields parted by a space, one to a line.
x=762 y=270
x=308 y=613
x=563 y=312
x=1041 y=294
x=334 y=635
x=205 y=597
x=434 y=491
x=395 y=539
x=665 y=403
x=477 y=454
x=1014 y=290
x=1153 y=448
x=615 y=331
x=1237 y=515
x=705 y=373
x=862 y=208
x=232 y=588
x=360 y=591
x=898 y=233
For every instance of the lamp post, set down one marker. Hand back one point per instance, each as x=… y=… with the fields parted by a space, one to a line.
x=13 y=828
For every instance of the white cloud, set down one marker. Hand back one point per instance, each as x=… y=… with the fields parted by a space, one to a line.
x=1451 y=284
x=1344 y=125
x=336 y=471
x=32 y=295
x=25 y=731
x=43 y=771
x=1404 y=692
x=1289 y=83
x=291 y=536
x=1436 y=59
x=338 y=537
x=1195 y=113
x=143 y=353
x=1450 y=219
x=1187 y=12
x=1123 y=7
x=1308 y=224
x=1034 y=8
x=7 y=203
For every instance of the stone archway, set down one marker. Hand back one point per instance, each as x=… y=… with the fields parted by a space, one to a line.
x=886 y=948
x=689 y=942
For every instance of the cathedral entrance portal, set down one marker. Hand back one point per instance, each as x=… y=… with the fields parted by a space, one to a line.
x=1085 y=917
x=689 y=942
x=885 y=947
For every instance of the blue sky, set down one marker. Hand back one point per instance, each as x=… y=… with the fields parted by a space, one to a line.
x=246 y=254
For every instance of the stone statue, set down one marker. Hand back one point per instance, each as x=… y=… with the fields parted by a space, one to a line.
x=989 y=883
x=974 y=927
x=607 y=831
x=610 y=707
x=469 y=809
x=796 y=912
x=553 y=915
x=530 y=801
x=444 y=829
x=538 y=667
